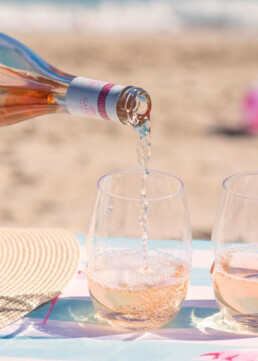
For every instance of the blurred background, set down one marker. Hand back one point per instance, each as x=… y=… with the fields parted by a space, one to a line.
x=197 y=58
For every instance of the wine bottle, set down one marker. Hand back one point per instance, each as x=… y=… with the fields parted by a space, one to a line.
x=29 y=87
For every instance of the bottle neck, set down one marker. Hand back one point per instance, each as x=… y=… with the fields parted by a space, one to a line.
x=92 y=98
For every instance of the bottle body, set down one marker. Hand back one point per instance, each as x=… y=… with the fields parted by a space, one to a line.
x=26 y=95
x=30 y=87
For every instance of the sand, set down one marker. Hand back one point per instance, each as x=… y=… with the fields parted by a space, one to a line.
x=49 y=165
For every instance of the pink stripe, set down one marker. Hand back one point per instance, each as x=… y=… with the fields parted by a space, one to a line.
x=102 y=100
x=53 y=301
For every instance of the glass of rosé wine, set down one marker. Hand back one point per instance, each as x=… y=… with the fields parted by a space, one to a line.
x=139 y=249
x=235 y=242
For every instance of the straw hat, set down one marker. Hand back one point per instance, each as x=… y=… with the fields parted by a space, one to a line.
x=35 y=266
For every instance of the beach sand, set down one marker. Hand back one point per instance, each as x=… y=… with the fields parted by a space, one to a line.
x=49 y=165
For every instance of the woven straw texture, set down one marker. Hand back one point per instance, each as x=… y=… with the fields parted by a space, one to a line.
x=35 y=266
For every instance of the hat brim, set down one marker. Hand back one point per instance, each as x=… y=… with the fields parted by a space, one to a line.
x=35 y=266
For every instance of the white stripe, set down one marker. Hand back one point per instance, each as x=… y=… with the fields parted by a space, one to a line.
x=200 y=293
x=202 y=259
x=77 y=288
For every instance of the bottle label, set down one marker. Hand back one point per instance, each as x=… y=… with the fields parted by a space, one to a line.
x=93 y=98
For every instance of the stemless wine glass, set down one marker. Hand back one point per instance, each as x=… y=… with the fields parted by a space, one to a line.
x=235 y=241
x=136 y=283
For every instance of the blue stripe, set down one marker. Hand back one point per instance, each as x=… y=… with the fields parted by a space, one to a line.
x=70 y=309
x=202 y=244
x=200 y=277
x=81 y=239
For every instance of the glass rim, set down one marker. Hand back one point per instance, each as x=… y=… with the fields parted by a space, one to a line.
x=170 y=195
x=239 y=194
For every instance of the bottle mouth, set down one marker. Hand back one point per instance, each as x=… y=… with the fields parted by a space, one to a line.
x=138 y=107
